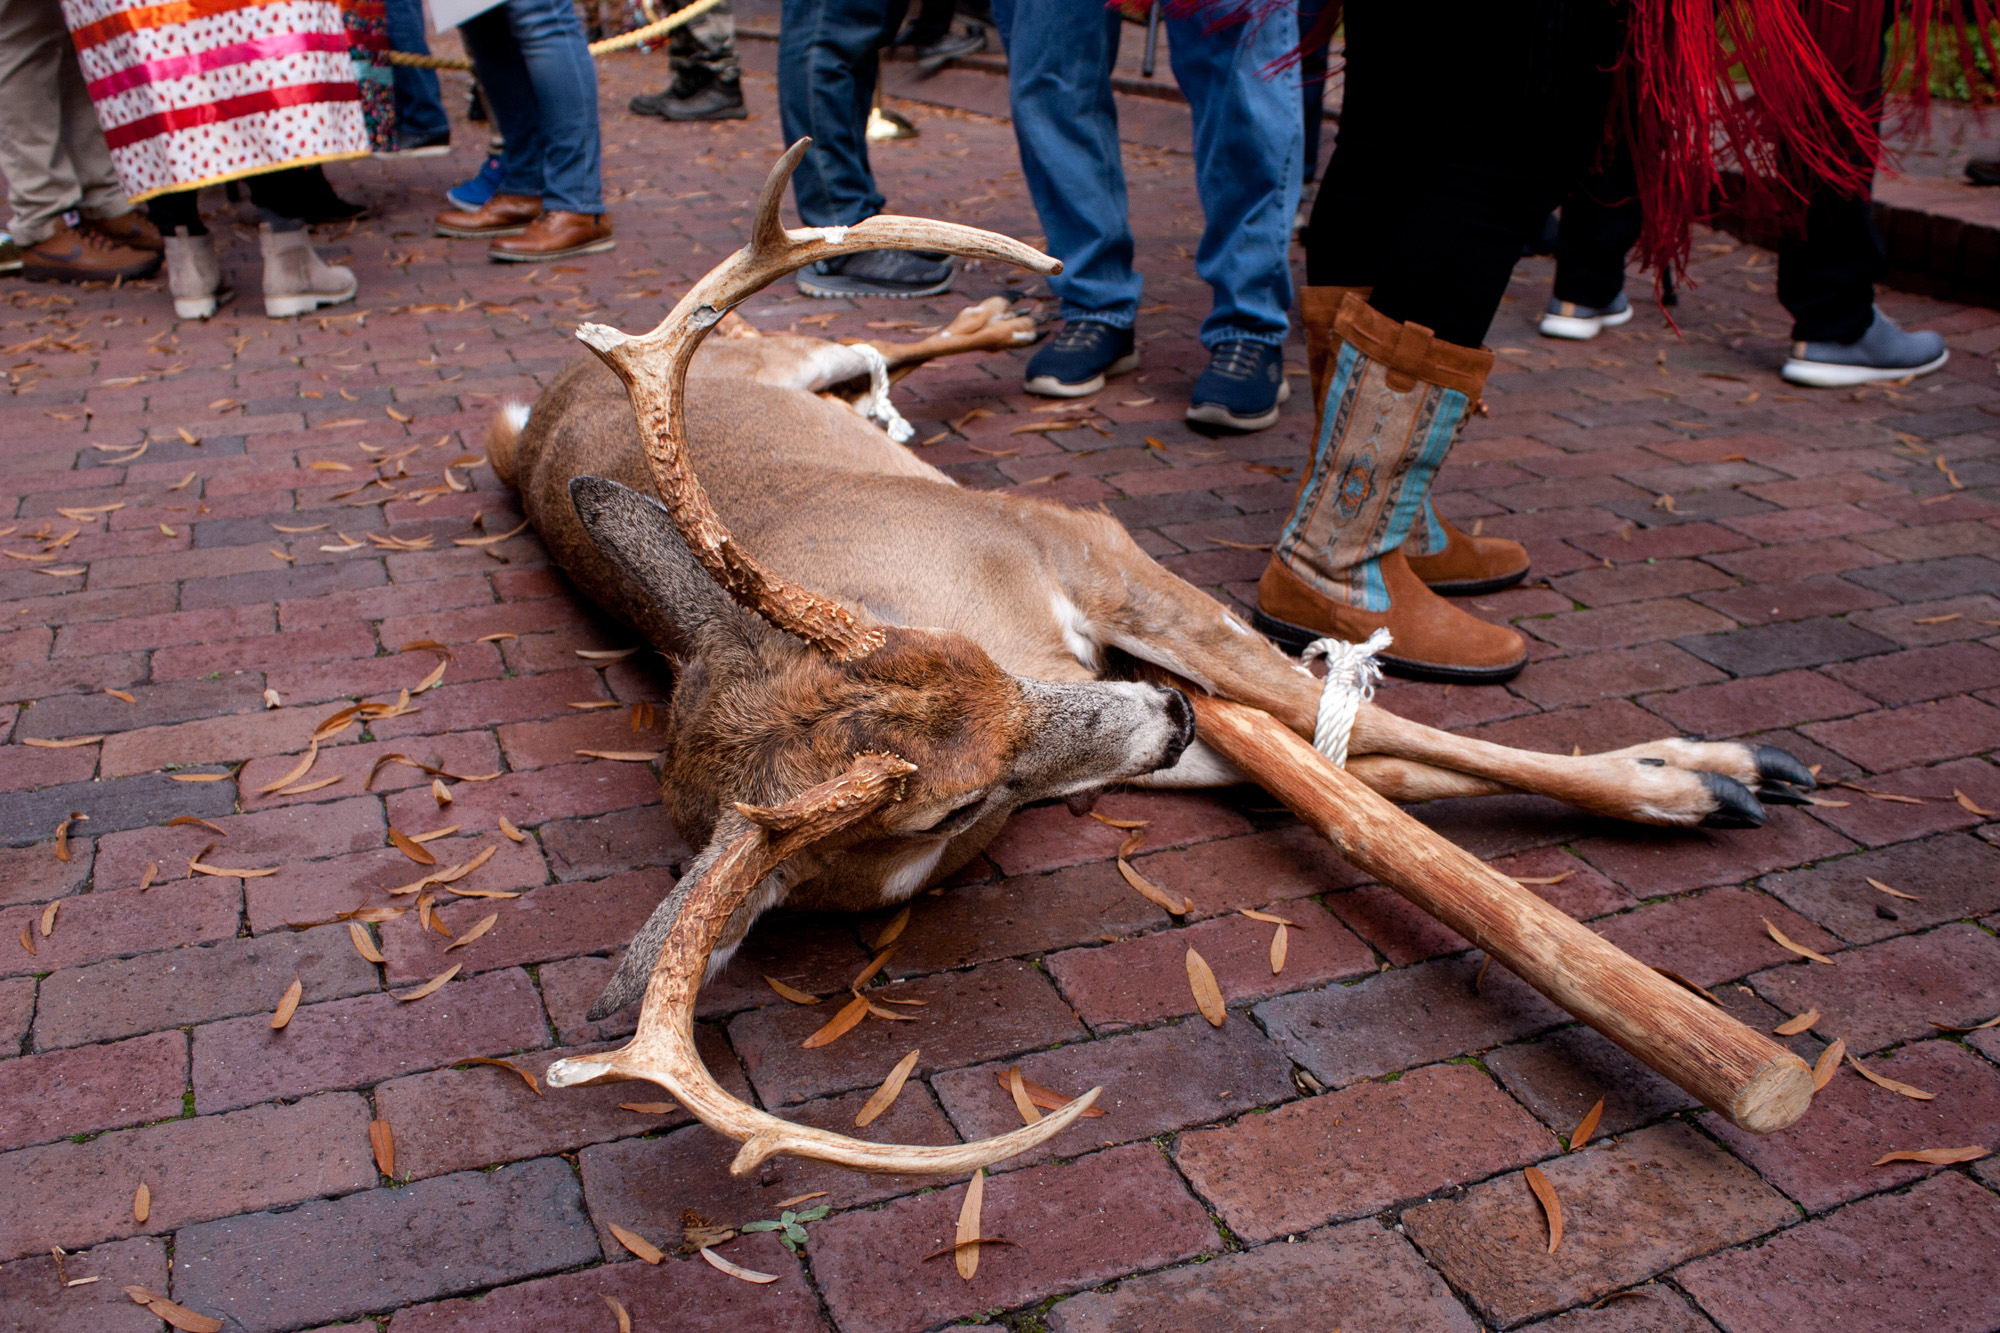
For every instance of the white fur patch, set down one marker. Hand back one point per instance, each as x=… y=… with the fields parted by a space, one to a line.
x=1076 y=632
x=516 y=415
x=908 y=877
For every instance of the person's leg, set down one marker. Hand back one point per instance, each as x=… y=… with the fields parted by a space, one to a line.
x=556 y=59
x=420 y=114
x=503 y=73
x=296 y=280
x=1600 y=225
x=42 y=181
x=176 y=211
x=1827 y=275
x=707 y=82
x=827 y=56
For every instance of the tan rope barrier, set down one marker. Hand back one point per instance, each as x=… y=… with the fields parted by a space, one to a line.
x=624 y=41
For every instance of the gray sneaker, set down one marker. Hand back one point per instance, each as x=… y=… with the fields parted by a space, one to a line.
x=1885 y=352
x=1581 y=323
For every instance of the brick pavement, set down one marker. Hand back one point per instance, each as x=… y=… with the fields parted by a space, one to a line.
x=1352 y=1141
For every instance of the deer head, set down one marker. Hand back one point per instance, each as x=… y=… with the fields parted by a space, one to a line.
x=834 y=742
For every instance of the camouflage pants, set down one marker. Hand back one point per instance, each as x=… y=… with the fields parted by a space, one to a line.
x=704 y=51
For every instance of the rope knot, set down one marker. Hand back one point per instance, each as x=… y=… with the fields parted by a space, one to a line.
x=875 y=404
x=1351 y=675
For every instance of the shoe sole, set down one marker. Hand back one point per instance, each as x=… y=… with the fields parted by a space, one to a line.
x=46 y=273
x=202 y=307
x=734 y=113
x=823 y=289
x=1474 y=587
x=1048 y=386
x=590 y=248
x=1294 y=638
x=435 y=150
x=1215 y=414
x=1824 y=375
x=290 y=307
x=484 y=234
x=1581 y=330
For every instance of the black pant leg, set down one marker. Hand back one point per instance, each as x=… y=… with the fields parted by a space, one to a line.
x=178 y=209
x=1601 y=219
x=1827 y=276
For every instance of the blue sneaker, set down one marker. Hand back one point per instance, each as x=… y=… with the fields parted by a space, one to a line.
x=1242 y=387
x=1075 y=361
x=1567 y=319
x=472 y=195
x=1885 y=352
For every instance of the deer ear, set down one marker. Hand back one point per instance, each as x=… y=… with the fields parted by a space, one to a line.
x=676 y=599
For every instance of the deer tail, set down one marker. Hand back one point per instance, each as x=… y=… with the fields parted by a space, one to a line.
x=503 y=433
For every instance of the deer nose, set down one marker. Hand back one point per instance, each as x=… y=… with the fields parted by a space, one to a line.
x=1180 y=716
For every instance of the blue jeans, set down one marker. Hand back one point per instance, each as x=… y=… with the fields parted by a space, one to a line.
x=1248 y=150
x=827 y=63
x=541 y=89
x=419 y=108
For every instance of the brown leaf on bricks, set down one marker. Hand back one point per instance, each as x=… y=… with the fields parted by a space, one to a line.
x=142 y=1203
x=1207 y=995
x=1976 y=1027
x=968 y=1225
x=622 y=756
x=590 y=705
x=430 y=681
x=798 y=1199
x=843 y=1022
x=289 y=1005
x=1269 y=918
x=1586 y=1126
x=1152 y=892
x=62 y=833
x=192 y=819
x=604 y=654
x=1017 y=1088
x=526 y=1077
x=792 y=993
x=432 y=835
x=197 y=866
x=1542 y=879
x=383 y=1140
x=1893 y=893
x=1551 y=1205
x=1785 y=942
x=1932 y=1156
x=1685 y=984
x=177 y=1315
x=123 y=695
x=650 y=1108
x=890 y=1014
x=1480 y=975
x=49 y=917
x=1120 y=823
x=302 y=788
x=975 y=1242
x=373 y=914
x=411 y=848
x=1792 y=1027
x=428 y=986
x=28 y=937
x=69 y=744
x=875 y=964
x=1279 y=943
x=1828 y=1063
x=491 y=541
x=403 y=417
x=152 y=873
x=513 y=834
x=1046 y=1098
x=737 y=1271
x=618 y=1311
x=1131 y=844
x=1971 y=805
x=327 y=465
x=486 y=923
x=885 y=1096
x=304 y=766
x=199 y=777
x=364 y=943
x=1900 y=1089
x=894 y=930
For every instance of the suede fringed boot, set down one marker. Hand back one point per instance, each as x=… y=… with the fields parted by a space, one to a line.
x=1393 y=401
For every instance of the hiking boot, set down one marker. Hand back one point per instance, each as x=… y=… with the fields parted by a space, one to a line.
x=419 y=145
x=934 y=56
x=132 y=229
x=693 y=100
x=1242 y=387
x=1885 y=352
x=73 y=254
x=556 y=234
x=1581 y=323
x=296 y=280
x=1074 y=362
x=10 y=255
x=194 y=275
x=897 y=274
x=473 y=194
x=500 y=215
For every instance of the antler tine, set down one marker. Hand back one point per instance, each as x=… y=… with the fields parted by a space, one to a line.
x=663 y=1049
x=654 y=369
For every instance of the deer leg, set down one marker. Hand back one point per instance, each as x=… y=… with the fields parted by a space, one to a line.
x=985 y=327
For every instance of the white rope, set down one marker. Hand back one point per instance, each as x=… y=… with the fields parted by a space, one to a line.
x=875 y=404
x=1351 y=673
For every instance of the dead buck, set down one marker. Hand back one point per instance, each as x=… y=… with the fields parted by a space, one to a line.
x=961 y=657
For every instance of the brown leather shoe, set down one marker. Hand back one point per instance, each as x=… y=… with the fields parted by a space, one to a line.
x=502 y=215
x=76 y=255
x=556 y=235
x=132 y=229
x=1434 y=640
x=1468 y=565
x=1318 y=308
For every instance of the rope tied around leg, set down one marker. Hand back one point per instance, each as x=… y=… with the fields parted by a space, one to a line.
x=1351 y=675
x=875 y=404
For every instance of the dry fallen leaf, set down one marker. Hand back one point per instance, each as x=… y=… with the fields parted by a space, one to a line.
x=62 y=833
x=605 y=654
x=1792 y=1027
x=1893 y=893
x=894 y=930
x=486 y=923
x=430 y=985
x=125 y=696
x=364 y=943
x=1586 y=1126
x=49 y=917
x=1932 y=1156
x=383 y=1141
x=875 y=964
x=28 y=937
x=890 y=1014
x=618 y=1311
x=142 y=1203
x=1971 y=805
x=1017 y=1087
x=1552 y=1206
x=1270 y=918
x=1976 y=1027
x=1207 y=995
x=1153 y=893
x=1784 y=942
x=289 y=1005
x=440 y=793
x=1900 y=1089
x=304 y=766
x=411 y=848
x=736 y=1270
x=792 y=993
x=1120 y=823
x=152 y=873
x=650 y=1108
x=622 y=756
x=1828 y=1063
x=885 y=1096
x=68 y=744
x=967 y=1255
x=637 y=1243
x=1543 y=879
x=1279 y=944
x=513 y=834
x=842 y=1023
x=177 y=1315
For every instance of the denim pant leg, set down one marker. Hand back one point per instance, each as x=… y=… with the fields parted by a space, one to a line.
x=1059 y=56
x=827 y=64
x=419 y=106
x=1249 y=149
x=556 y=55
x=510 y=99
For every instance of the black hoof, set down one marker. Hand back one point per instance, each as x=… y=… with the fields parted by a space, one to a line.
x=1782 y=793
x=1735 y=805
x=1775 y=765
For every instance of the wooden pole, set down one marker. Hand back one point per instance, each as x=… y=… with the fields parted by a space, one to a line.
x=1739 y=1073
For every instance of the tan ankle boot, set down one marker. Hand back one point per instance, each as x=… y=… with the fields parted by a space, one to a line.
x=194 y=275
x=296 y=281
x=1465 y=565
x=1393 y=401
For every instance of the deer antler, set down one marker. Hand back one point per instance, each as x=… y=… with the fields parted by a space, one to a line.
x=663 y=1049
x=654 y=368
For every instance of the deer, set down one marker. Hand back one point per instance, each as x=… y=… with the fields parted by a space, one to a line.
x=961 y=654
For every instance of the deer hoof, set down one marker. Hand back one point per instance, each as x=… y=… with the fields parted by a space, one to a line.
x=1775 y=766
x=1735 y=805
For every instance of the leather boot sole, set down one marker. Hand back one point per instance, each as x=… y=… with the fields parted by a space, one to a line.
x=1048 y=386
x=480 y=233
x=1294 y=638
x=596 y=247
x=1474 y=587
